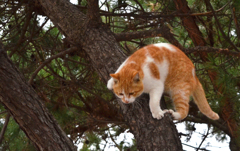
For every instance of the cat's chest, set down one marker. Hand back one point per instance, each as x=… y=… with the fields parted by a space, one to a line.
x=150 y=84
x=150 y=80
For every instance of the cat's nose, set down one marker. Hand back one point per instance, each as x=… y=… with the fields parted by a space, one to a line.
x=125 y=101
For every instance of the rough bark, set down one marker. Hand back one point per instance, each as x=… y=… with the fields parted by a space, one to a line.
x=189 y=23
x=163 y=31
x=87 y=32
x=105 y=54
x=151 y=134
x=28 y=111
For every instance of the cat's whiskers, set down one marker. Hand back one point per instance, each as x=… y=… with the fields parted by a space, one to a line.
x=138 y=102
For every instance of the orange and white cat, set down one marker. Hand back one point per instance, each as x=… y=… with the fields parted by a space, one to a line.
x=156 y=69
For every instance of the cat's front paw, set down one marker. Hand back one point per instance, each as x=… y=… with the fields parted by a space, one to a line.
x=158 y=115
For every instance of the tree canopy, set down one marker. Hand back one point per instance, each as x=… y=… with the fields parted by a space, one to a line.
x=53 y=48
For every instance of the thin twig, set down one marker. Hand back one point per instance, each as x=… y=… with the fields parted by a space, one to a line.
x=136 y=1
x=113 y=140
x=219 y=26
x=151 y=15
x=235 y=21
x=4 y=127
x=193 y=147
x=49 y=60
x=204 y=138
x=3 y=112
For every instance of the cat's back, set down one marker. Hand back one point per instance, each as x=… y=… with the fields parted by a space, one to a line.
x=158 y=53
x=166 y=58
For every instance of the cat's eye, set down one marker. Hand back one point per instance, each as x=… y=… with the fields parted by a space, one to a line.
x=131 y=93
x=120 y=93
x=115 y=81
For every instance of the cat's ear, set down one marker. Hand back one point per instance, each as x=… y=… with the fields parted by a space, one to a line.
x=136 y=77
x=115 y=77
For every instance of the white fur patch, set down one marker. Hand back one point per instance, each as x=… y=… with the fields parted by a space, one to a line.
x=132 y=62
x=154 y=103
x=166 y=45
x=163 y=69
x=110 y=84
x=149 y=59
x=148 y=81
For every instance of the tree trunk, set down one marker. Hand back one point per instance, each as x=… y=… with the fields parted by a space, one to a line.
x=105 y=54
x=151 y=134
x=28 y=111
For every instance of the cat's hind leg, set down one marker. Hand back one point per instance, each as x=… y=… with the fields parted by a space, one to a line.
x=180 y=99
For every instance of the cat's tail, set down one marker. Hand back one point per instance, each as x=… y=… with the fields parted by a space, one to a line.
x=201 y=101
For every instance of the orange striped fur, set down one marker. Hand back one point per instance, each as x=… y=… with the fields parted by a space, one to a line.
x=157 y=69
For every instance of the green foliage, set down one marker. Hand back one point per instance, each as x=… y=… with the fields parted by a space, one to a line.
x=15 y=139
x=74 y=93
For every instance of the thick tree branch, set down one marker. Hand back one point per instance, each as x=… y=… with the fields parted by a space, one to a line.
x=127 y=36
x=197 y=38
x=65 y=16
x=151 y=15
x=93 y=12
x=189 y=23
x=76 y=27
x=28 y=111
x=160 y=32
x=106 y=56
x=220 y=125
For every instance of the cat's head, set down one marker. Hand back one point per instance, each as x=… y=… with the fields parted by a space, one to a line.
x=127 y=85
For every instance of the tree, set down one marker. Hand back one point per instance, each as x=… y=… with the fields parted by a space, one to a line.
x=68 y=70
x=28 y=111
